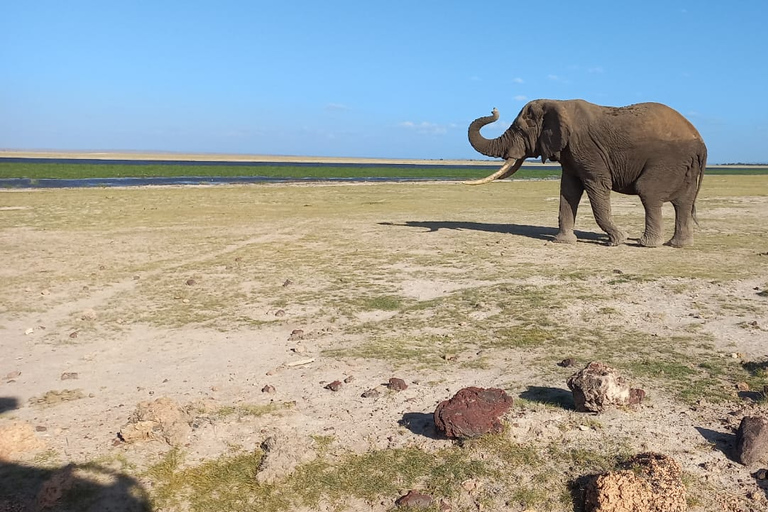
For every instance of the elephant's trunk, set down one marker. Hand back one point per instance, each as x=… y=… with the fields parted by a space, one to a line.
x=497 y=147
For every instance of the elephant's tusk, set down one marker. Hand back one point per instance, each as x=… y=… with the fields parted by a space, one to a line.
x=502 y=173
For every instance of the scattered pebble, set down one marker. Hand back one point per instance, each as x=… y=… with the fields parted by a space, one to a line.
x=371 y=393
x=268 y=389
x=299 y=349
x=88 y=314
x=287 y=282
x=13 y=375
x=280 y=313
x=69 y=376
x=334 y=386
x=414 y=499
x=191 y=282
x=73 y=334
x=567 y=362
x=41 y=428
x=29 y=331
x=349 y=379
x=45 y=292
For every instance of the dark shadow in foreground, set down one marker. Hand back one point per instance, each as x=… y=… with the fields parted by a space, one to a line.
x=721 y=441
x=420 y=423
x=536 y=232
x=72 y=488
x=552 y=396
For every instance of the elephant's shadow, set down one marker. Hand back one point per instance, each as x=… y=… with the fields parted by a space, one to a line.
x=535 y=232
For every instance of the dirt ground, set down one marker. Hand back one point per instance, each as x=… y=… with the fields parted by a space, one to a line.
x=207 y=295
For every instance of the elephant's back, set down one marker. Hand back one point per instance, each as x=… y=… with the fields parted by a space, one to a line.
x=655 y=121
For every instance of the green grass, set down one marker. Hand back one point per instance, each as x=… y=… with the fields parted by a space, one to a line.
x=315 y=171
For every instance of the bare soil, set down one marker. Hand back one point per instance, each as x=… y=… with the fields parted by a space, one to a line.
x=205 y=295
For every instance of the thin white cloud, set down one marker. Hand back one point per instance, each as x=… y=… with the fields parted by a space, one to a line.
x=518 y=80
x=554 y=78
x=520 y=97
x=595 y=69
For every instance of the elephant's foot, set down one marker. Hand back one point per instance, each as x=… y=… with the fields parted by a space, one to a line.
x=565 y=238
x=679 y=242
x=650 y=241
x=617 y=238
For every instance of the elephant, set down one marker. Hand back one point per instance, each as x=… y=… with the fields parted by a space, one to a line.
x=645 y=149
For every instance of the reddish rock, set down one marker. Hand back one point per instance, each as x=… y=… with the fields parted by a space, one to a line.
x=397 y=384
x=268 y=389
x=334 y=386
x=414 y=499
x=472 y=412
x=752 y=440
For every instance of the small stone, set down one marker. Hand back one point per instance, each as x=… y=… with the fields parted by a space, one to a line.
x=268 y=389
x=371 y=393
x=29 y=331
x=287 y=283
x=636 y=396
x=598 y=386
x=45 y=292
x=299 y=349
x=185 y=301
x=69 y=376
x=734 y=355
x=88 y=314
x=334 y=386
x=742 y=386
x=73 y=334
x=617 y=271
x=349 y=379
x=396 y=384
x=136 y=278
x=191 y=282
x=761 y=474
x=414 y=499
x=41 y=428
x=280 y=313
x=13 y=375
x=449 y=356
x=567 y=362
x=296 y=334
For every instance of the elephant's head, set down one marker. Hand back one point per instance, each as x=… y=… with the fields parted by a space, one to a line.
x=541 y=129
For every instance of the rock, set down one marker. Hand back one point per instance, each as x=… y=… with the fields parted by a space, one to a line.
x=752 y=440
x=268 y=389
x=17 y=439
x=159 y=420
x=350 y=378
x=191 y=282
x=414 y=499
x=69 y=376
x=74 y=334
x=296 y=334
x=598 y=386
x=13 y=375
x=287 y=283
x=396 y=384
x=472 y=412
x=650 y=483
x=371 y=393
x=761 y=474
x=334 y=386
x=567 y=362
x=280 y=313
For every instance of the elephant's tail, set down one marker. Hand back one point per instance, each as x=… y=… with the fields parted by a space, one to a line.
x=699 y=167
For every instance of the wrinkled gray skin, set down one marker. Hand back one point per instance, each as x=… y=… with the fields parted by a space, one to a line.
x=647 y=149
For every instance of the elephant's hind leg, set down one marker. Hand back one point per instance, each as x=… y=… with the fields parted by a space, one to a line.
x=683 y=224
x=653 y=235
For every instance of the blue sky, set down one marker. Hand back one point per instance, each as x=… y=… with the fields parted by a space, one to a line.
x=397 y=79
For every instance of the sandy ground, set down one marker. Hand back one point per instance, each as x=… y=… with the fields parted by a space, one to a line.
x=206 y=295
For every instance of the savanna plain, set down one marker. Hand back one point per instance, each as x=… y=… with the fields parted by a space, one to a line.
x=238 y=305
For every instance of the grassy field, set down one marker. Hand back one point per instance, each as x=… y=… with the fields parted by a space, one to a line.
x=9 y=170
x=175 y=291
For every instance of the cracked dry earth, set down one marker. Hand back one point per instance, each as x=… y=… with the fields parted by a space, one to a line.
x=241 y=304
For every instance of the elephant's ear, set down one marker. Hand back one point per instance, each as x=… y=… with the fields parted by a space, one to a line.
x=555 y=131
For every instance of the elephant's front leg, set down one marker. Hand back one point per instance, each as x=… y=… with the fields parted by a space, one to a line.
x=571 y=190
x=600 y=198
